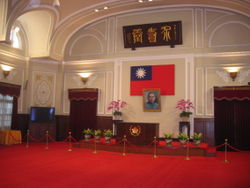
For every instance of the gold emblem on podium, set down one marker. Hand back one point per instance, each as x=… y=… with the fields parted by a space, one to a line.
x=135 y=130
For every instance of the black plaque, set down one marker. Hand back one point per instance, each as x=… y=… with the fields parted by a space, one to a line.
x=155 y=34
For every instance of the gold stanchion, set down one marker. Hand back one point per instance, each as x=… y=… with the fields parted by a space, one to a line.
x=124 y=145
x=70 y=144
x=225 y=160
x=187 y=152
x=95 y=140
x=47 y=140
x=27 y=139
x=155 y=156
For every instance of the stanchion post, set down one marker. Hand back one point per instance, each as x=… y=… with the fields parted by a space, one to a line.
x=27 y=139
x=95 y=140
x=225 y=160
x=155 y=156
x=47 y=140
x=187 y=152
x=124 y=145
x=70 y=144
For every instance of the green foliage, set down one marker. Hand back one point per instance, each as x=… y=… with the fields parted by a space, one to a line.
x=185 y=114
x=97 y=132
x=87 y=131
x=108 y=133
x=116 y=112
x=168 y=135
x=183 y=136
x=197 y=136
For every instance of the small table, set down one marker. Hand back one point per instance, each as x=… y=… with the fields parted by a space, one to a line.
x=184 y=124
x=9 y=137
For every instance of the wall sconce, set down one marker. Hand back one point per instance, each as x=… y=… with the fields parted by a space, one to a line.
x=233 y=72
x=6 y=70
x=85 y=76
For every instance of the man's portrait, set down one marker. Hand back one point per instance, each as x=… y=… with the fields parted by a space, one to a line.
x=151 y=100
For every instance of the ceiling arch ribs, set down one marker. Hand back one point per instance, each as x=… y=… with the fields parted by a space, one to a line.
x=70 y=24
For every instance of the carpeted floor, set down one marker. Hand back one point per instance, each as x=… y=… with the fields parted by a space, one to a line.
x=56 y=167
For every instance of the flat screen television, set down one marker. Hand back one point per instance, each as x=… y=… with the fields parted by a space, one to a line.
x=42 y=114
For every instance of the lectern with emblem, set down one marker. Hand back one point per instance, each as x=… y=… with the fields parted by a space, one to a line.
x=137 y=133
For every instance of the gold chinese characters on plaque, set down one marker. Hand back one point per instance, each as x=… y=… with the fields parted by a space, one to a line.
x=156 y=34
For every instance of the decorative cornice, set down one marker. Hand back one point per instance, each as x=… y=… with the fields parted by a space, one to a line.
x=12 y=55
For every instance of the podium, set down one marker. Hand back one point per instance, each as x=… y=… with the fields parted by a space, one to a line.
x=184 y=124
x=136 y=132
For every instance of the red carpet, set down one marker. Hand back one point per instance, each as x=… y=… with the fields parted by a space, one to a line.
x=56 y=167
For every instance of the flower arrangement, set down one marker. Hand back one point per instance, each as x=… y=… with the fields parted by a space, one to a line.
x=197 y=136
x=108 y=133
x=116 y=106
x=97 y=132
x=168 y=135
x=185 y=106
x=183 y=136
x=87 y=131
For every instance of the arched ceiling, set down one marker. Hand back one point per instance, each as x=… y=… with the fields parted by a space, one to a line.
x=38 y=27
x=72 y=15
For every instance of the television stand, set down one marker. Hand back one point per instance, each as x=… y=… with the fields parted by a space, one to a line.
x=38 y=130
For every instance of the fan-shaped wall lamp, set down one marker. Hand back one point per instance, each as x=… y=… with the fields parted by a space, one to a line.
x=6 y=70
x=85 y=76
x=233 y=72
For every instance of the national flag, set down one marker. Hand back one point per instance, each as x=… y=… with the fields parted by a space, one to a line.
x=152 y=77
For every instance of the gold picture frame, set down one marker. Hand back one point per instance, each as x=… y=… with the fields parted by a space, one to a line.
x=151 y=100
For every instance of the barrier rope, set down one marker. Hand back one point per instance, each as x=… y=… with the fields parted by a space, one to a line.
x=74 y=139
x=233 y=148
x=36 y=140
x=52 y=139
x=125 y=141
x=67 y=138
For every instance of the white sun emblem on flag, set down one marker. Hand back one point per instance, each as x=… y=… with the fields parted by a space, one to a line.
x=140 y=73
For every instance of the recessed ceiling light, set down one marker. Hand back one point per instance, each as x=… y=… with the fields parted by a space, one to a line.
x=150 y=0
x=96 y=10
x=140 y=1
x=105 y=8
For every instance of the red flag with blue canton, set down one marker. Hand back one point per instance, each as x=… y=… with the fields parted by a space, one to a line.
x=152 y=77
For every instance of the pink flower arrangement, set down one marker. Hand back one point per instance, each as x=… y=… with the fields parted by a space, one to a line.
x=185 y=106
x=116 y=106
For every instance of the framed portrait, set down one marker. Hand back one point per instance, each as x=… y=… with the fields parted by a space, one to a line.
x=151 y=100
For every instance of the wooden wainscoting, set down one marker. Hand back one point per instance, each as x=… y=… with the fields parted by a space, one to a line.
x=22 y=123
x=62 y=127
x=104 y=122
x=62 y=124
x=206 y=127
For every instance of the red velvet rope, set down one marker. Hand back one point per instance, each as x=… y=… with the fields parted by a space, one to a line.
x=234 y=148
x=52 y=139
x=36 y=140
x=65 y=140
x=74 y=139
x=133 y=145
x=219 y=146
